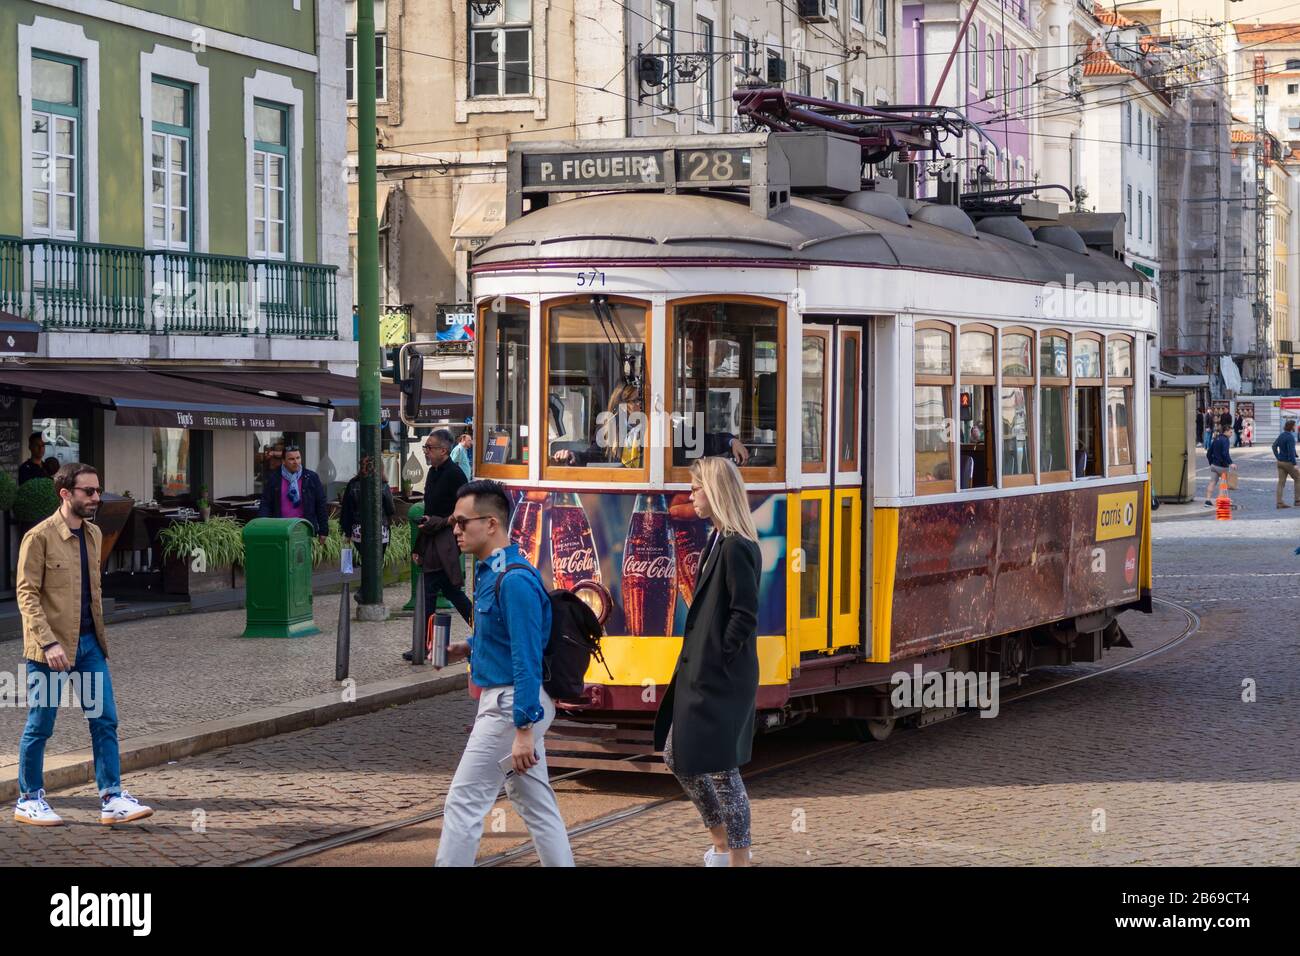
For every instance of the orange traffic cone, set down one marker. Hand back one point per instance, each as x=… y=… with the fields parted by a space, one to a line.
x=1223 y=508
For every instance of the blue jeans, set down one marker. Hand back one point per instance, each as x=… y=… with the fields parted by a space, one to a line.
x=1208 y=436
x=91 y=669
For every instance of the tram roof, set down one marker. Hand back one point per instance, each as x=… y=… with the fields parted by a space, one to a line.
x=717 y=226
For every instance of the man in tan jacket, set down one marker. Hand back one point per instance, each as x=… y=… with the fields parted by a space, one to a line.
x=63 y=642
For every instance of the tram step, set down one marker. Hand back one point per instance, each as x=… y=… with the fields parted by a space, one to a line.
x=613 y=746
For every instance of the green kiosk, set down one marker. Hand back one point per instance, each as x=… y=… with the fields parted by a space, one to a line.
x=277 y=572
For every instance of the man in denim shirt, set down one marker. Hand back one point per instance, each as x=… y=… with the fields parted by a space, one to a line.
x=514 y=710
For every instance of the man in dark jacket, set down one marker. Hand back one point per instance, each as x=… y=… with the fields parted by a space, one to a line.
x=295 y=492
x=33 y=467
x=434 y=548
x=1220 y=463
x=1237 y=424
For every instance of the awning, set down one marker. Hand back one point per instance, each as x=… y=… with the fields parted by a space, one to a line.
x=151 y=400
x=480 y=213
x=382 y=189
x=341 y=392
x=17 y=335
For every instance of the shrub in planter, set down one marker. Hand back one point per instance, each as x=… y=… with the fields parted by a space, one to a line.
x=35 y=500
x=220 y=543
x=8 y=490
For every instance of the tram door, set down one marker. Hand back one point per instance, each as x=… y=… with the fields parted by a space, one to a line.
x=826 y=525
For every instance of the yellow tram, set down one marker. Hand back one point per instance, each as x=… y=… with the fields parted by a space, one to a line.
x=941 y=414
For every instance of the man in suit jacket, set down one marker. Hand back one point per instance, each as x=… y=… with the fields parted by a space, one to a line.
x=435 y=549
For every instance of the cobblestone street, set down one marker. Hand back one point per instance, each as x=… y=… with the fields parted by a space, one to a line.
x=1183 y=770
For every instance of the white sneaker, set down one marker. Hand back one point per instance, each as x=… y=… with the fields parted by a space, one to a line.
x=37 y=812
x=713 y=858
x=123 y=808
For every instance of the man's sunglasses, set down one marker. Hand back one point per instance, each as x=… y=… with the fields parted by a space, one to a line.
x=89 y=492
x=459 y=523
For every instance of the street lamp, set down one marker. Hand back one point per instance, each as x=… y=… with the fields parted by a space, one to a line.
x=1202 y=288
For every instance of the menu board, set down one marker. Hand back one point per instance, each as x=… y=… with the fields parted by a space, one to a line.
x=12 y=451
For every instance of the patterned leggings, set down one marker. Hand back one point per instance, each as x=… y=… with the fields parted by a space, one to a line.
x=720 y=798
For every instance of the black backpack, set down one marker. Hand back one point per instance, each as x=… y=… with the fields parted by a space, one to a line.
x=574 y=641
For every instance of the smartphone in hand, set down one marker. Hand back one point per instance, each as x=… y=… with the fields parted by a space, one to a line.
x=507 y=763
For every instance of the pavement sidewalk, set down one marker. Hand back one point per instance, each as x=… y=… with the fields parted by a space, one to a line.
x=185 y=684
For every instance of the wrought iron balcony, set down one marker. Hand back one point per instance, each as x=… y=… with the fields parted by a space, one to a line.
x=93 y=287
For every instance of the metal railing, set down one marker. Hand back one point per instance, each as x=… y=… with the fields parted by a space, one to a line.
x=95 y=287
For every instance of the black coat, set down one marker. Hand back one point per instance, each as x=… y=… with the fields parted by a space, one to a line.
x=710 y=701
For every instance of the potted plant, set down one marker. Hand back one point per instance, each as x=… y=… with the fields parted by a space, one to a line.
x=205 y=507
x=35 y=500
x=8 y=490
x=200 y=556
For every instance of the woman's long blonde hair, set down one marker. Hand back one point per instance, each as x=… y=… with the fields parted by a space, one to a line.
x=725 y=490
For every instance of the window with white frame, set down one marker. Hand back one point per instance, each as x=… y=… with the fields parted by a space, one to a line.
x=990 y=64
x=1128 y=124
x=882 y=17
x=804 y=79
x=1128 y=225
x=704 y=92
x=381 y=52
x=856 y=10
x=1020 y=79
x=833 y=6
x=501 y=50
x=663 y=28
x=973 y=58
x=832 y=89
x=1006 y=77
x=1139 y=213
x=171 y=165
x=271 y=185
x=1150 y=222
x=56 y=146
x=859 y=97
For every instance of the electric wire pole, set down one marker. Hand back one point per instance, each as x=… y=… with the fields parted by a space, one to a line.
x=372 y=591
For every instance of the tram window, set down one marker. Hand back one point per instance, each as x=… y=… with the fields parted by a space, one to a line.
x=1087 y=450
x=1119 y=430
x=1016 y=418
x=1054 y=356
x=814 y=401
x=1119 y=358
x=1017 y=355
x=596 y=383
x=850 y=389
x=725 y=383
x=504 y=341
x=932 y=427
x=976 y=353
x=977 y=465
x=1087 y=358
x=933 y=436
x=810 y=537
x=1054 y=441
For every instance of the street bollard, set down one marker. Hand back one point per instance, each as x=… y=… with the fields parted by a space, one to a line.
x=418 y=625
x=343 y=648
x=441 y=638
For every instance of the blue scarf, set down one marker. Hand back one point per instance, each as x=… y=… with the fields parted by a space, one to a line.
x=293 y=477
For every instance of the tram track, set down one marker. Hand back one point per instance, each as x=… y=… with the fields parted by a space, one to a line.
x=625 y=814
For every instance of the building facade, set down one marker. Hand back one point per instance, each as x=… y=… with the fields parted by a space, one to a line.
x=176 y=213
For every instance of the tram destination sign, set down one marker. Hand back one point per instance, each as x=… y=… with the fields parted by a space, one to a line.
x=633 y=169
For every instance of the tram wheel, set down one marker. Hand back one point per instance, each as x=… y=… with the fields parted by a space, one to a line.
x=868 y=729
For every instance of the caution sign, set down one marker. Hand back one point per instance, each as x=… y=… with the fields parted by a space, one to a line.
x=1117 y=515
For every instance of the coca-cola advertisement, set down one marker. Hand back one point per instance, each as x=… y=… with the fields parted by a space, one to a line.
x=638 y=553
x=649 y=580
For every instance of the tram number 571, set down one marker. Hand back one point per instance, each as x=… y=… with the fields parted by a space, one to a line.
x=592 y=278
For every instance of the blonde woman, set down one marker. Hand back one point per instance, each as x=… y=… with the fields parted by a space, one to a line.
x=705 y=723
x=623 y=424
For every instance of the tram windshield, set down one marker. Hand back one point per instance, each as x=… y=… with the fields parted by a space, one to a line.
x=596 y=381
x=504 y=339
x=725 y=382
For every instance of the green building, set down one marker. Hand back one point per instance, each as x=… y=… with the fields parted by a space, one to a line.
x=174 y=241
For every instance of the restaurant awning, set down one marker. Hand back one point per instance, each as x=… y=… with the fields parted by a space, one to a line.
x=153 y=400
x=339 y=390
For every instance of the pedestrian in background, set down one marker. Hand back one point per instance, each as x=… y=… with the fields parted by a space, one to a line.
x=705 y=722
x=63 y=635
x=512 y=623
x=1225 y=420
x=1284 y=451
x=1220 y=463
x=293 y=491
x=463 y=453
x=434 y=548
x=350 y=512
x=1199 y=426
x=34 y=466
x=1207 y=429
x=1237 y=424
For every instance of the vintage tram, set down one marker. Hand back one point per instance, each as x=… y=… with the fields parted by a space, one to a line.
x=942 y=417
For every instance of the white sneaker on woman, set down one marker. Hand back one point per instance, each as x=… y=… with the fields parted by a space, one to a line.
x=37 y=812
x=713 y=858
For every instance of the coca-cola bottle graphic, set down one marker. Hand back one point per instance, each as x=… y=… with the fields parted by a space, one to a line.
x=526 y=525
x=649 y=570
x=690 y=535
x=573 y=552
